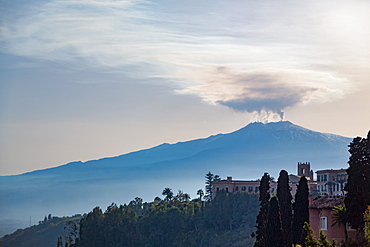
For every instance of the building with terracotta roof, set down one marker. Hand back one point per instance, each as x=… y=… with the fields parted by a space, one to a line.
x=321 y=218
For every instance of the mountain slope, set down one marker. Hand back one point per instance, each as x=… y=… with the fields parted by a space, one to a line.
x=246 y=153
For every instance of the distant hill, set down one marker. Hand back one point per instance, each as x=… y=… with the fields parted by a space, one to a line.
x=244 y=154
x=44 y=234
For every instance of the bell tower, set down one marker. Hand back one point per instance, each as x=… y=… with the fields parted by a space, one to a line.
x=304 y=169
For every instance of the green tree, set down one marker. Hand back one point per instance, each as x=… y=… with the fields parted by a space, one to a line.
x=261 y=221
x=71 y=231
x=137 y=205
x=367 y=226
x=358 y=185
x=210 y=178
x=181 y=196
x=91 y=228
x=330 y=185
x=186 y=197
x=285 y=204
x=274 y=231
x=60 y=242
x=200 y=193
x=227 y=220
x=310 y=240
x=340 y=218
x=167 y=192
x=230 y=211
x=300 y=212
x=342 y=182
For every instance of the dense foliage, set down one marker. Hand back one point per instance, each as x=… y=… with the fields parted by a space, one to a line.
x=227 y=220
x=311 y=241
x=210 y=178
x=358 y=185
x=45 y=234
x=274 y=237
x=301 y=212
x=261 y=221
x=285 y=203
x=280 y=226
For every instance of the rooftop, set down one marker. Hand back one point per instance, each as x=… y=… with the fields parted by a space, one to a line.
x=327 y=202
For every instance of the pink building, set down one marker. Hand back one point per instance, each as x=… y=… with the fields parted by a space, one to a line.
x=321 y=218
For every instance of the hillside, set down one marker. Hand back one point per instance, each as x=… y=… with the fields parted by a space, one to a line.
x=244 y=154
x=45 y=234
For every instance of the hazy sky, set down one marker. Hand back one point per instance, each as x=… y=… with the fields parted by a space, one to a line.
x=84 y=79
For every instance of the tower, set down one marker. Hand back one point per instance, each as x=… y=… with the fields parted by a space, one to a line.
x=304 y=169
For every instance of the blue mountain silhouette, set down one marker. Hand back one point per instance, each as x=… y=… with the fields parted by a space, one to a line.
x=247 y=153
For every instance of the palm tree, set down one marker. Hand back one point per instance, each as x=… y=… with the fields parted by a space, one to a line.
x=179 y=197
x=340 y=218
x=330 y=184
x=186 y=197
x=168 y=193
x=200 y=193
x=342 y=181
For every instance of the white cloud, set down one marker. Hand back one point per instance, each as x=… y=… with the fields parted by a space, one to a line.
x=246 y=55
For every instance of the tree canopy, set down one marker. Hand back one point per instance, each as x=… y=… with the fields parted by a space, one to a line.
x=227 y=220
x=285 y=203
x=358 y=185
x=261 y=221
x=300 y=212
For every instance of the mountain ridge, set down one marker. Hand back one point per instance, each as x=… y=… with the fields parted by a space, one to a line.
x=282 y=125
x=76 y=187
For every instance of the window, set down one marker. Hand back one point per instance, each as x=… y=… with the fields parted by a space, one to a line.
x=227 y=189
x=236 y=188
x=250 y=189
x=318 y=178
x=322 y=188
x=325 y=177
x=323 y=223
x=244 y=188
x=318 y=187
x=256 y=189
x=218 y=189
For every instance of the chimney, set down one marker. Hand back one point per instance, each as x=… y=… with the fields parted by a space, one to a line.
x=229 y=178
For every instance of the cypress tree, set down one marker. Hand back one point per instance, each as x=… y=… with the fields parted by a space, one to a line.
x=301 y=213
x=285 y=204
x=261 y=221
x=274 y=231
x=358 y=185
